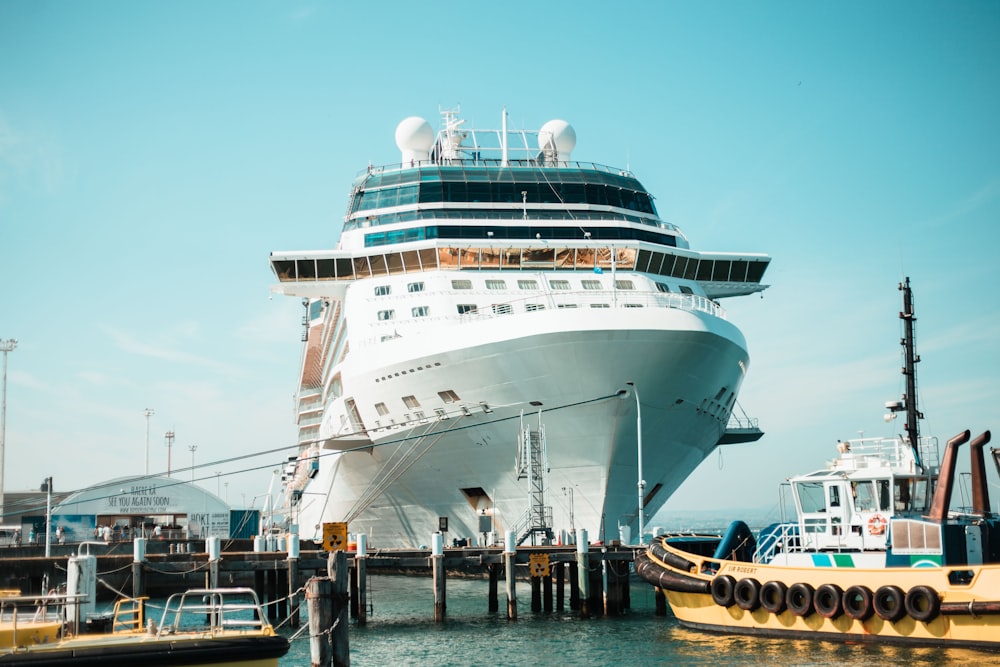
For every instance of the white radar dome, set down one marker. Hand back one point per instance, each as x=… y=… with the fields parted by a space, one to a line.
x=414 y=137
x=557 y=138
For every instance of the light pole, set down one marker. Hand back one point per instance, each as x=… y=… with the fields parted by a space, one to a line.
x=149 y=412
x=642 y=482
x=169 y=436
x=569 y=490
x=47 y=488
x=192 y=449
x=218 y=483
x=5 y=347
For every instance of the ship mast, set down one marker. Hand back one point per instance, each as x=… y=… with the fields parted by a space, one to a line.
x=910 y=359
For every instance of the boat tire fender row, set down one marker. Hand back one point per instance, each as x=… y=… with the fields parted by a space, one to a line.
x=772 y=597
x=922 y=603
x=827 y=601
x=858 y=603
x=889 y=603
x=722 y=590
x=800 y=599
x=746 y=594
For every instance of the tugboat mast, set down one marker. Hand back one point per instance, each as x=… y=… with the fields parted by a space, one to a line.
x=910 y=359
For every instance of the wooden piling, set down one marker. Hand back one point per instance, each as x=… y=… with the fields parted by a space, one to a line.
x=574 y=587
x=661 y=602
x=616 y=596
x=271 y=594
x=338 y=635
x=362 y=587
x=439 y=588
x=536 y=594
x=508 y=564
x=319 y=603
x=494 y=602
x=212 y=576
x=138 y=585
x=560 y=587
x=595 y=601
x=583 y=572
x=547 y=592
x=281 y=584
x=293 y=592
x=354 y=594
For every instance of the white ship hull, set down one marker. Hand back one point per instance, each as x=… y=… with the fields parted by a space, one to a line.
x=684 y=364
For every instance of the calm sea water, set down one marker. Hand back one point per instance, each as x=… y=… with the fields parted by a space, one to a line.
x=401 y=631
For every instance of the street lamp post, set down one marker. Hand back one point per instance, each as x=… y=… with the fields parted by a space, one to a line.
x=5 y=347
x=642 y=482
x=149 y=412
x=47 y=488
x=192 y=449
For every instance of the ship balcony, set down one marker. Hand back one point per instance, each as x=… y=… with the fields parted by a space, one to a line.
x=544 y=302
x=312 y=420
x=311 y=404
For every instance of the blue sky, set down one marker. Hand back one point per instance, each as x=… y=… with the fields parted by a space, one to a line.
x=153 y=154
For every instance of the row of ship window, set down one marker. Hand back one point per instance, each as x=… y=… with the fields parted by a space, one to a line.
x=505 y=308
x=447 y=396
x=742 y=270
x=527 y=284
x=597 y=194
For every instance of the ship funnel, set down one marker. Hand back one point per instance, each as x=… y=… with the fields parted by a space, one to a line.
x=946 y=478
x=980 y=491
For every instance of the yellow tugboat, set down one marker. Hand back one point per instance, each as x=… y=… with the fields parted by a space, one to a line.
x=873 y=555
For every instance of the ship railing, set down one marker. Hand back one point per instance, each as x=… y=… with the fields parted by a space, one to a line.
x=777 y=538
x=895 y=451
x=474 y=161
x=385 y=330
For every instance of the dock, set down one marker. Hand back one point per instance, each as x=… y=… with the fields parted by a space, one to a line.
x=279 y=576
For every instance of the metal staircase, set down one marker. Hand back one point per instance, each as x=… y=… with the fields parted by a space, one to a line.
x=532 y=464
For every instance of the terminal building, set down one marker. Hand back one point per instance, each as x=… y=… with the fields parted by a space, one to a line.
x=152 y=507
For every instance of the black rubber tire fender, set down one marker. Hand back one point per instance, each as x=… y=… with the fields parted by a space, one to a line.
x=746 y=594
x=772 y=597
x=799 y=599
x=827 y=601
x=889 y=603
x=857 y=603
x=922 y=603
x=722 y=590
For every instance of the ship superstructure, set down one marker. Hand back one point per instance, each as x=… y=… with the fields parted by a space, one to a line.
x=492 y=303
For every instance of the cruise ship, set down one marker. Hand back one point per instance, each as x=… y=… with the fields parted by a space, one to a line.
x=506 y=341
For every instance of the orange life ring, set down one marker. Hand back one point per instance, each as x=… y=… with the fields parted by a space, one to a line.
x=877 y=524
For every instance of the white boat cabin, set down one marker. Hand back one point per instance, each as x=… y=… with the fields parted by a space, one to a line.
x=848 y=505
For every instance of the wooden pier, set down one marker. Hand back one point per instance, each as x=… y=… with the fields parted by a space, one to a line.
x=597 y=578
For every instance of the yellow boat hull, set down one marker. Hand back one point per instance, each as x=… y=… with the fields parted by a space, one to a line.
x=965 y=614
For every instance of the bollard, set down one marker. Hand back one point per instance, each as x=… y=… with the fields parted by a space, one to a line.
x=583 y=571
x=509 y=558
